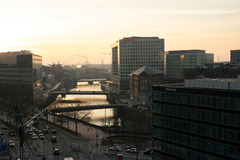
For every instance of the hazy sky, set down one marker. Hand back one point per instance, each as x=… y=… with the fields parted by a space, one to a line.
x=72 y=31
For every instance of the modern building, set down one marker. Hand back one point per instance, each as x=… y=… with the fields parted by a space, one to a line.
x=178 y=60
x=198 y=121
x=129 y=54
x=213 y=70
x=140 y=84
x=235 y=57
x=21 y=76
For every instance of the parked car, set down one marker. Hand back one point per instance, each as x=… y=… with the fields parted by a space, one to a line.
x=115 y=148
x=11 y=143
x=30 y=132
x=132 y=150
x=148 y=151
x=56 y=151
x=130 y=146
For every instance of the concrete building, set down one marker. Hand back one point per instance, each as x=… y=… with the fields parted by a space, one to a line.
x=178 y=60
x=21 y=76
x=141 y=81
x=213 y=70
x=129 y=54
x=235 y=57
x=198 y=121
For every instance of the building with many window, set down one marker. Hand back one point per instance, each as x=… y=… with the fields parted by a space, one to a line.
x=235 y=57
x=198 y=121
x=129 y=54
x=178 y=60
x=21 y=76
x=140 y=84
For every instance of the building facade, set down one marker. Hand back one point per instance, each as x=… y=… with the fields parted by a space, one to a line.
x=178 y=60
x=196 y=122
x=140 y=84
x=129 y=54
x=235 y=57
x=214 y=70
x=21 y=76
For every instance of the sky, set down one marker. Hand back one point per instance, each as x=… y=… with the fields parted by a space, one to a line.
x=77 y=31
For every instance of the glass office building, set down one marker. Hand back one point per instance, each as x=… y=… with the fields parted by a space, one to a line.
x=191 y=123
x=21 y=76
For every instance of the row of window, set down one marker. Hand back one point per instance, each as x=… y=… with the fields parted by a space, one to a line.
x=179 y=152
x=198 y=114
x=195 y=142
x=200 y=100
x=198 y=129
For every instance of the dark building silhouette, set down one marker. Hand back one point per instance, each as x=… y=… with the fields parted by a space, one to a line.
x=193 y=123
x=21 y=76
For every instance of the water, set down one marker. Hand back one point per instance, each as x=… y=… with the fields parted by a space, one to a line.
x=97 y=116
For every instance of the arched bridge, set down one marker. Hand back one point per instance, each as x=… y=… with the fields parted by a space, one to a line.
x=80 y=108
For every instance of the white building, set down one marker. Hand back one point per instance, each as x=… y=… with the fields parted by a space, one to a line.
x=178 y=60
x=131 y=53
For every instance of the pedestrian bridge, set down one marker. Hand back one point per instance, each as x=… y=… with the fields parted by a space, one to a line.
x=80 y=108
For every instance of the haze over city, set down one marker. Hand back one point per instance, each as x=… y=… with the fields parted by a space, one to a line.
x=75 y=31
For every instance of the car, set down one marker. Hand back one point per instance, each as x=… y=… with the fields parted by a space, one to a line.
x=1 y=132
x=41 y=136
x=45 y=131
x=34 y=136
x=4 y=127
x=115 y=148
x=12 y=133
x=56 y=151
x=54 y=131
x=46 y=127
x=148 y=151
x=11 y=143
x=132 y=150
x=130 y=146
x=30 y=132
x=54 y=139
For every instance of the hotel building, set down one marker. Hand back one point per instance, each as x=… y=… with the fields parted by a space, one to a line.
x=132 y=53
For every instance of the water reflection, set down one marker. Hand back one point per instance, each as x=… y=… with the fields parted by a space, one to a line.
x=97 y=116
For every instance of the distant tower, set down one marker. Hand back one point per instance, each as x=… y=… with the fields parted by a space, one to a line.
x=102 y=61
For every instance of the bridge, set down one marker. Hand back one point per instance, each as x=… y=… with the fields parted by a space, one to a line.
x=80 y=92
x=80 y=108
x=95 y=79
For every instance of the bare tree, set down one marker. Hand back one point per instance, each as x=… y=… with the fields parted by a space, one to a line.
x=79 y=116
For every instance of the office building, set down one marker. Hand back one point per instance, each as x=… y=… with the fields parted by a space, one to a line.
x=21 y=76
x=213 y=70
x=197 y=121
x=140 y=84
x=129 y=54
x=235 y=57
x=178 y=60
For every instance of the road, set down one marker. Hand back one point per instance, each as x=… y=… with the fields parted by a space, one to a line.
x=82 y=147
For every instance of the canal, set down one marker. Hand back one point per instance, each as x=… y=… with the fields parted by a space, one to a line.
x=122 y=118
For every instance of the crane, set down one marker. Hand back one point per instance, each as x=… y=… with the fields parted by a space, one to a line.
x=20 y=124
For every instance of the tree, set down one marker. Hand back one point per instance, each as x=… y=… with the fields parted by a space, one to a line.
x=79 y=116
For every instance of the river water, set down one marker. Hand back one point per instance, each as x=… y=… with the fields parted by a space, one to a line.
x=97 y=116
x=127 y=119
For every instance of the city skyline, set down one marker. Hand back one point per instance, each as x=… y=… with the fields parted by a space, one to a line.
x=72 y=32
